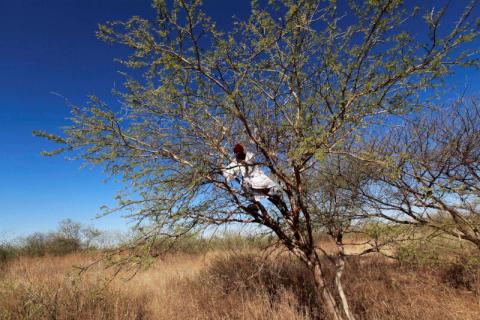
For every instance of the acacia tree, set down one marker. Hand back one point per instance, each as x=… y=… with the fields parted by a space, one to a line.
x=295 y=82
x=431 y=173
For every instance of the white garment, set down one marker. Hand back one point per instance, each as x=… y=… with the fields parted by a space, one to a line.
x=253 y=176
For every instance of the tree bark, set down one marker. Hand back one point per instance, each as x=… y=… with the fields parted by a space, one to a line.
x=340 y=264
x=325 y=296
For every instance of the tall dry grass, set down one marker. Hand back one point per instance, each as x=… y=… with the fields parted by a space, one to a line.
x=217 y=285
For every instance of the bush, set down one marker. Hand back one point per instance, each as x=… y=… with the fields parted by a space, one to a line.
x=3 y=255
x=237 y=273
x=367 y=281
x=7 y=252
x=60 y=246
x=3 y=258
x=463 y=274
x=34 y=245
x=39 y=244
x=418 y=254
x=457 y=266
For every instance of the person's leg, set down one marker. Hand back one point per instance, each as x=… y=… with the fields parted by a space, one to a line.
x=250 y=195
x=277 y=200
x=274 y=196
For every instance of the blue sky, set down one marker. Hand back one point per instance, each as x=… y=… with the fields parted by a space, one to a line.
x=50 y=46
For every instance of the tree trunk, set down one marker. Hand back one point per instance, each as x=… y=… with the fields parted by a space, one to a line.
x=324 y=295
x=340 y=264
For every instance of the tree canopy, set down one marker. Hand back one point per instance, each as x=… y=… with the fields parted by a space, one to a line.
x=300 y=83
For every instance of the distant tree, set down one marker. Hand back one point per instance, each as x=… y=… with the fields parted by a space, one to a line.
x=34 y=245
x=59 y=245
x=297 y=82
x=66 y=239
x=70 y=229
x=76 y=235
x=90 y=234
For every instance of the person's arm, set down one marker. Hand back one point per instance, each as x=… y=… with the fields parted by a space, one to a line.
x=231 y=171
x=249 y=163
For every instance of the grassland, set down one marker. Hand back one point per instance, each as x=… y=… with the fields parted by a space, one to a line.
x=231 y=284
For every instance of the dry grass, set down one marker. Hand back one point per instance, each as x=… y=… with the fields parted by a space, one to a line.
x=391 y=291
x=225 y=286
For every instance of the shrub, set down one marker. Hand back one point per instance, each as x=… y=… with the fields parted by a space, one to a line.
x=238 y=273
x=39 y=244
x=458 y=266
x=463 y=274
x=4 y=256
x=34 y=245
x=60 y=246
x=418 y=254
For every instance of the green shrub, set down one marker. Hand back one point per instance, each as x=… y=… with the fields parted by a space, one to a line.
x=419 y=254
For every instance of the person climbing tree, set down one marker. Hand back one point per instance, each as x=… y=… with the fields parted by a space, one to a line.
x=255 y=184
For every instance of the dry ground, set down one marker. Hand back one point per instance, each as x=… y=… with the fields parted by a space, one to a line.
x=224 y=286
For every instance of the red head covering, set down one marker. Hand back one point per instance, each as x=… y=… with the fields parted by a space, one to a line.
x=238 y=149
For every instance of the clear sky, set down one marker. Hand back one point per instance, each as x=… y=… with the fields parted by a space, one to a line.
x=50 y=46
